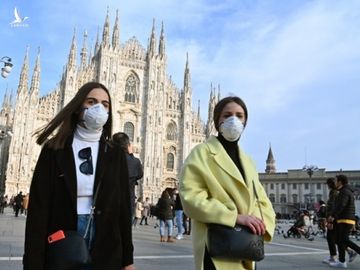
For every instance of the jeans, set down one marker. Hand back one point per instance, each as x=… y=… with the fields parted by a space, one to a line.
x=179 y=221
x=169 y=224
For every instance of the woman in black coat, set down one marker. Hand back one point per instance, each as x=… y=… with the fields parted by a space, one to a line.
x=71 y=165
x=165 y=214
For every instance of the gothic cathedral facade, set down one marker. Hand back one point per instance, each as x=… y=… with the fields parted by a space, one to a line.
x=147 y=105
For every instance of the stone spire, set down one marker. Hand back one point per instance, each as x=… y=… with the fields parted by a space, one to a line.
x=5 y=99
x=116 y=32
x=210 y=126
x=35 y=81
x=162 y=42
x=83 y=53
x=270 y=162
x=198 y=113
x=72 y=54
x=152 y=42
x=24 y=75
x=106 y=30
x=97 y=45
x=187 y=78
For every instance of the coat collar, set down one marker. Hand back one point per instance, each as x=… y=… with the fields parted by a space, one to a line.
x=226 y=163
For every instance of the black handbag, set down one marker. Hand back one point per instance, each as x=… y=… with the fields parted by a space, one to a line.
x=237 y=242
x=67 y=250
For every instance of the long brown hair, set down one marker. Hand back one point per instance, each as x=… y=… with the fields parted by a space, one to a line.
x=66 y=120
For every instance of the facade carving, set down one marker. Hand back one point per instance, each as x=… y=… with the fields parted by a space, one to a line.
x=147 y=105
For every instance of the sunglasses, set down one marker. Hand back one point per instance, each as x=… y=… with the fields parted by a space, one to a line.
x=87 y=166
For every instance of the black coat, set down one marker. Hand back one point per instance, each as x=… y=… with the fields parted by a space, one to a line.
x=53 y=207
x=164 y=208
x=344 y=206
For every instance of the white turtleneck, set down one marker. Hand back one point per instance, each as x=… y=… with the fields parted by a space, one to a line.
x=85 y=182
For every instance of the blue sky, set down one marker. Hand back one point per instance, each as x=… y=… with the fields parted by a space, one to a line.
x=296 y=63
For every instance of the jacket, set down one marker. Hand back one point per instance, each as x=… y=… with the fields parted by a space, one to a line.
x=344 y=206
x=165 y=207
x=212 y=190
x=53 y=207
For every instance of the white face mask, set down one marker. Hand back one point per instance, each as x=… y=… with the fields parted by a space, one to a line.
x=231 y=128
x=95 y=117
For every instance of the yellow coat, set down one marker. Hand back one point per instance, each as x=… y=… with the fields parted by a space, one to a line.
x=212 y=190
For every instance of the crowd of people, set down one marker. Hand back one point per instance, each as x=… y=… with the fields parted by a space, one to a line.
x=18 y=202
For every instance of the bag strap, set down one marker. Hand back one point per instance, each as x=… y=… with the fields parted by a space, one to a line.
x=92 y=211
x=257 y=200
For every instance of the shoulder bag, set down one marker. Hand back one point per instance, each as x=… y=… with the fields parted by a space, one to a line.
x=237 y=242
x=67 y=250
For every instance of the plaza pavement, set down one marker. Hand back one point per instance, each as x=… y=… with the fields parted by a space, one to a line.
x=150 y=254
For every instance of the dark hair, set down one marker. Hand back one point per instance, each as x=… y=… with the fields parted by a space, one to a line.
x=165 y=195
x=121 y=139
x=343 y=179
x=221 y=105
x=66 y=120
x=331 y=183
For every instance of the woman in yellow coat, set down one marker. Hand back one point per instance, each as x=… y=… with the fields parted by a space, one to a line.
x=216 y=186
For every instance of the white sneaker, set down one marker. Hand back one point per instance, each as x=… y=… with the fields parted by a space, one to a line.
x=329 y=260
x=338 y=264
x=352 y=255
x=179 y=237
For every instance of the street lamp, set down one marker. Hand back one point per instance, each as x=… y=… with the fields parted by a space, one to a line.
x=310 y=169
x=5 y=71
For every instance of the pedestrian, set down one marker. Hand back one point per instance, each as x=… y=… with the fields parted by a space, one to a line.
x=216 y=186
x=165 y=215
x=145 y=212
x=18 y=201
x=26 y=203
x=343 y=215
x=2 y=204
x=138 y=210
x=179 y=216
x=135 y=169
x=75 y=158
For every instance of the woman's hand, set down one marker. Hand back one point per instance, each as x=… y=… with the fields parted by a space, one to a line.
x=128 y=267
x=254 y=223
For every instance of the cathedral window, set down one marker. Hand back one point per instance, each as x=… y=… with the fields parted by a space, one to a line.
x=171 y=132
x=170 y=161
x=282 y=198
x=295 y=198
x=131 y=88
x=129 y=130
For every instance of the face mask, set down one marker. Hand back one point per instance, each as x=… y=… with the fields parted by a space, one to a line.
x=95 y=117
x=231 y=128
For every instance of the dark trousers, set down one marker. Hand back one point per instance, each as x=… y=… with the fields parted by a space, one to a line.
x=331 y=240
x=342 y=240
x=144 y=218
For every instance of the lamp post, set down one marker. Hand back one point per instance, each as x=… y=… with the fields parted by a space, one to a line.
x=5 y=71
x=310 y=169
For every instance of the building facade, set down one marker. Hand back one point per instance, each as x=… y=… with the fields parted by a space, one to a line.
x=147 y=105
x=299 y=189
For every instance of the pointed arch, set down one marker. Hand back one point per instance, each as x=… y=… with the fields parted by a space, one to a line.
x=170 y=159
x=129 y=130
x=132 y=85
x=171 y=131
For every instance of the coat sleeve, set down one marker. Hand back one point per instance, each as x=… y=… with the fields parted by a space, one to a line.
x=38 y=212
x=125 y=222
x=194 y=193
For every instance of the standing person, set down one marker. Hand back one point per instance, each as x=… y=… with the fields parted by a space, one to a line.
x=216 y=186
x=26 y=203
x=179 y=216
x=135 y=169
x=343 y=215
x=75 y=158
x=2 y=204
x=138 y=210
x=330 y=233
x=165 y=215
x=145 y=212
x=18 y=201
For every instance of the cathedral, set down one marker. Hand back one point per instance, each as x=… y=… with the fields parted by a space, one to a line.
x=147 y=105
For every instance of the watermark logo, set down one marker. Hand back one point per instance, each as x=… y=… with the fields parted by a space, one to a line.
x=19 y=21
